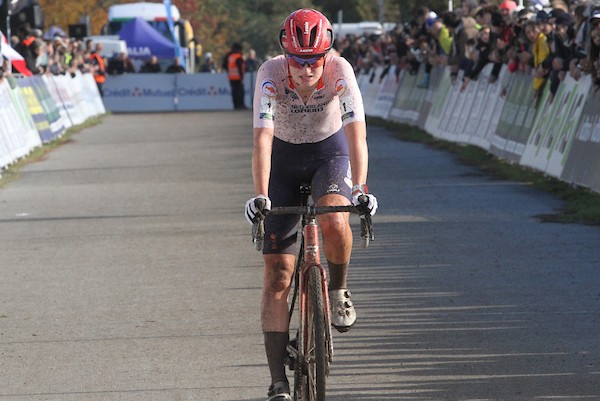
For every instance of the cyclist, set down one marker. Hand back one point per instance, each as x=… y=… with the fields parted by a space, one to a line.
x=309 y=126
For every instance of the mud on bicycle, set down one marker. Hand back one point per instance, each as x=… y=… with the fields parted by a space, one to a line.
x=311 y=352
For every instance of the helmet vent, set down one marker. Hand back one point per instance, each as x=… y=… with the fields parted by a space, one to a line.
x=313 y=35
x=299 y=36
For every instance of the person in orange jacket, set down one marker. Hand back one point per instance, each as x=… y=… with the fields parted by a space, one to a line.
x=98 y=67
x=235 y=66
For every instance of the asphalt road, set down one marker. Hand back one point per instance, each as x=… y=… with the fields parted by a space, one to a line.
x=127 y=273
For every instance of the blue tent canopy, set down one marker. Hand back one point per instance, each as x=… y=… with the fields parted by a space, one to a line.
x=144 y=41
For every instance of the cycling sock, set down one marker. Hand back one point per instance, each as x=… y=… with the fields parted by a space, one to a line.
x=337 y=275
x=276 y=347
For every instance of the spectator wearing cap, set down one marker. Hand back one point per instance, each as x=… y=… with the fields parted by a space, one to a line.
x=537 y=5
x=425 y=20
x=561 y=47
x=561 y=39
x=542 y=19
x=209 y=64
x=595 y=20
x=507 y=7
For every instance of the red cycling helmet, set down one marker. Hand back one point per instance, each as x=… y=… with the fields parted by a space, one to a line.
x=306 y=32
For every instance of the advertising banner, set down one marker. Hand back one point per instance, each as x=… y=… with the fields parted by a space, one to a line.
x=205 y=92
x=387 y=93
x=515 y=119
x=140 y=92
x=407 y=104
x=436 y=77
x=172 y=92
x=90 y=96
x=7 y=126
x=440 y=103
x=18 y=134
x=40 y=118
x=49 y=107
x=486 y=109
x=583 y=163
x=556 y=126
x=59 y=88
x=370 y=90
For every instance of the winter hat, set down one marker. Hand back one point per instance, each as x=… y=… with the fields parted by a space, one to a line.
x=509 y=5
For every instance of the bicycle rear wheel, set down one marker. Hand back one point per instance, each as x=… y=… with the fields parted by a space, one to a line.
x=317 y=363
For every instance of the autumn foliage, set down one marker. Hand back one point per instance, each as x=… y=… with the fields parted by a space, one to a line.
x=219 y=23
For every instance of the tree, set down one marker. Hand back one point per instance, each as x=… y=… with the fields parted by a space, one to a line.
x=253 y=23
x=65 y=12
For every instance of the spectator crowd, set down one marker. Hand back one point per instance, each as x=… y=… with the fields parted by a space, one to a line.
x=62 y=55
x=548 y=39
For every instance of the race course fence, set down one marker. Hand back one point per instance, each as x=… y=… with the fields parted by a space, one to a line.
x=560 y=136
x=37 y=110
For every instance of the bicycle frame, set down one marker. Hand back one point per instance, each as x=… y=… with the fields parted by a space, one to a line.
x=312 y=257
x=310 y=361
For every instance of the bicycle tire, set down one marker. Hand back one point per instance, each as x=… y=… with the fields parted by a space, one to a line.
x=316 y=349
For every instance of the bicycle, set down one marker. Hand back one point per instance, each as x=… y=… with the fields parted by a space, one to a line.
x=311 y=352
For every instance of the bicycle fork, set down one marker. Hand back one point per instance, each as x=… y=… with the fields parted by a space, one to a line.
x=312 y=257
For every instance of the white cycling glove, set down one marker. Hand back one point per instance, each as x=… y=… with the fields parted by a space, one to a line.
x=359 y=190
x=252 y=211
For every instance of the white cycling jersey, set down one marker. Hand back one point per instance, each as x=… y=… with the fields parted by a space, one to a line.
x=335 y=102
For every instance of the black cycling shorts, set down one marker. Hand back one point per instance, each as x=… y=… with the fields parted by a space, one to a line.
x=325 y=165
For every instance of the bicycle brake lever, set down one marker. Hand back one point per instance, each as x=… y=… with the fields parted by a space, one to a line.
x=363 y=206
x=260 y=204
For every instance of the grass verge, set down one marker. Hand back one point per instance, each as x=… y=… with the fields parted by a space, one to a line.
x=11 y=172
x=582 y=206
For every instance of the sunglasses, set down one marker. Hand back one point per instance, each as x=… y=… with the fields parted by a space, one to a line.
x=300 y=62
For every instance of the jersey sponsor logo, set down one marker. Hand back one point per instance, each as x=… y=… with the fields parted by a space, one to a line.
x=269 y=89
x=348 y=115
x=307 y=109
x=333 y=188
x=266 y=108
x=340 y=87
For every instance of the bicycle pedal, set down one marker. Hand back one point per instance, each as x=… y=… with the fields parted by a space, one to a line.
x=292 y=349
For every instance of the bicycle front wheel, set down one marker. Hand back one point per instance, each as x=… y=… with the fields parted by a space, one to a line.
x=317 y=362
